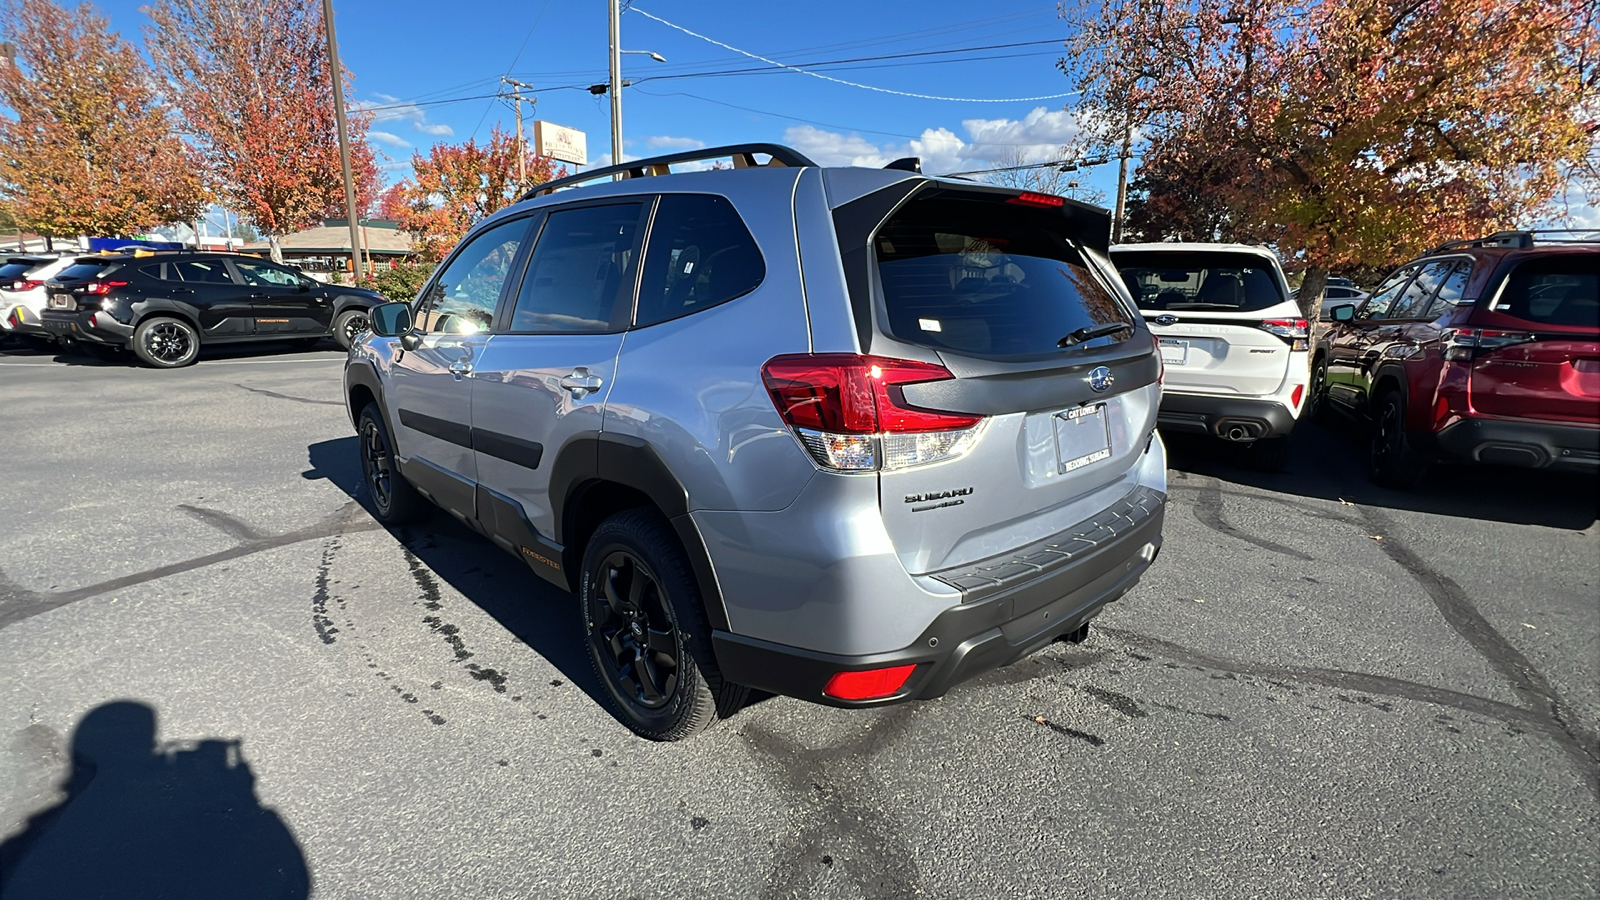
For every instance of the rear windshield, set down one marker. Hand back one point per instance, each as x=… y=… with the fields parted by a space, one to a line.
x=981 y=277
x=86 y=270
x=1197 y=280
x=13 y=271
x=1554 y=291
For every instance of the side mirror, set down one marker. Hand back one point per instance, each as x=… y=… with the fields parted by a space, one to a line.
x=1344 y=312
x=390 y=319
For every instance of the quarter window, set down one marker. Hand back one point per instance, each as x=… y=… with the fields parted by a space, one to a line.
x=701 y=254
x=465 y=292
x=576 y=273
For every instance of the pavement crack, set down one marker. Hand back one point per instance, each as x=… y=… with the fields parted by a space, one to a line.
x=348 y=519
x=319 y=600
x=279 y=396
x=221 y=521
x=1208 y=510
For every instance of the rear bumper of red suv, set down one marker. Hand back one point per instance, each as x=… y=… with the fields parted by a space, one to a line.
x=1521 y=442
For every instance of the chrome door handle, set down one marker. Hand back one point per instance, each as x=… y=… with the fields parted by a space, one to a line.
x=461 y=367
x=581 y=383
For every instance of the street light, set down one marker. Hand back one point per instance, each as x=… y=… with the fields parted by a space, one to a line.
x=616 y=79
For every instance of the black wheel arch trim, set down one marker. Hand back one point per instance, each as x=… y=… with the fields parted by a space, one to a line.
x=631 y=462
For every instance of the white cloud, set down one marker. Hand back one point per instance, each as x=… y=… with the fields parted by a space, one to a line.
x=390 y=109
x=384 y=137
x=663 y=142
x=438 y=129
x=1037 y=137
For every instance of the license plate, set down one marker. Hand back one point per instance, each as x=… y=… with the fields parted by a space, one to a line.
x=1174 y=352
x=62 y=301
x=1083 y=437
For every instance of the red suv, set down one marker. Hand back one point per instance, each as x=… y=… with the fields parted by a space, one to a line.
x=1482 y=351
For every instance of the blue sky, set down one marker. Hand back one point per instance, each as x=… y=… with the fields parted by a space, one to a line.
x=428 y=69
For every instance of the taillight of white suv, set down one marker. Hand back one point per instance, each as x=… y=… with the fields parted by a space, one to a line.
x=851 y=414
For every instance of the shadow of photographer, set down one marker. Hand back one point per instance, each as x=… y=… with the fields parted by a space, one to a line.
x=147 y=819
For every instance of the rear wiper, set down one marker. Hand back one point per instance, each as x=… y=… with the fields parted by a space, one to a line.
x=1090 y=332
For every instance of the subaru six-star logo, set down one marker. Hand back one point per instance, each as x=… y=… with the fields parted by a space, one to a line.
x=1101 y=379
x=1165 y=320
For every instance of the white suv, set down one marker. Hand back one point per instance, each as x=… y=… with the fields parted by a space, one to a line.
x=22 y=294
x=1234 y=344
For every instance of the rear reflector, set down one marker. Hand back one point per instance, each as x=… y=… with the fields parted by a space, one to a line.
x=868 y=685
x=1294 y=398
x=1030 y=198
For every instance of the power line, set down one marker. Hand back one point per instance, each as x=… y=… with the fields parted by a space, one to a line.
x=854 y=84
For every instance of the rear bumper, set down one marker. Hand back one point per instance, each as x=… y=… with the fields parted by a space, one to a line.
x=20 y=320
x=1218 y=416
x=97 y=327
x=1013 y=606
x=1520 y=442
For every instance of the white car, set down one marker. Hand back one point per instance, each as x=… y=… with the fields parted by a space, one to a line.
x=1336 y=295
x=22 y=294
x=1235 y=346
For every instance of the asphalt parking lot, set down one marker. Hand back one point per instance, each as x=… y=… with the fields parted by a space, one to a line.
x=1322 y=689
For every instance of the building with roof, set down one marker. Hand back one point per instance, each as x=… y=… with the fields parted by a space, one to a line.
x=326 y=248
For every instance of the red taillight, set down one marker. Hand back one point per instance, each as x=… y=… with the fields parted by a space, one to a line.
x=1031 y=198
x=1465 y=344
x=868 y=685
x=1296 y=331
x=26 y=284
x=842 y=405
x=102 y=287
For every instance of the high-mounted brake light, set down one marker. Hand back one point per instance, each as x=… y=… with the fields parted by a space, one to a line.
x=868 y=685
x=851 y=414
x=1466 y=344
x=1031 y=198
x=102 y=287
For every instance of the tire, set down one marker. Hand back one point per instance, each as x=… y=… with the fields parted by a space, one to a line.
x=390 y=498
x=1317 y=401
x=1392 y=461
x=348 y=325
x=1269 y=454
x=646 y=632
x=166 y=343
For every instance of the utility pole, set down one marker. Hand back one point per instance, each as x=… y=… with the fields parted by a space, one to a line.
x=522 y=144
x=1122 y=185
x=616 y=83
x=356 y=263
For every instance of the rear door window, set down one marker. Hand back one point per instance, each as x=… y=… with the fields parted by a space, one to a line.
x=1450 y=290
x=700 y=254
x=987 y=278
x=1554 y=291
x=576 y=275
x=1178 y=280
x=202 y=271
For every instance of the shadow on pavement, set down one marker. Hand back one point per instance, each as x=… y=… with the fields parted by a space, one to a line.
x=146 y=820
x=530 y=608
x=1329 y=462
x=104 y=357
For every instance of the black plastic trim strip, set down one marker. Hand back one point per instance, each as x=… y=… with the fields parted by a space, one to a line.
x=443 y=429
x=513 y=450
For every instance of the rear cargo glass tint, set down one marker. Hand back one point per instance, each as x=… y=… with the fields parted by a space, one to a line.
x=977 y=276
x=12 y=271
x=86 y=271
x=1175 y=280
x=1554 y=291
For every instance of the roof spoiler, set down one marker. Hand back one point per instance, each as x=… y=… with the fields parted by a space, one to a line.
x=744 y=157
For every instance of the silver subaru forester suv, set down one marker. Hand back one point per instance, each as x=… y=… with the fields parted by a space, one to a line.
x=849 y=435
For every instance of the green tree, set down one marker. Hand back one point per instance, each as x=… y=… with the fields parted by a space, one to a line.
x=91 y=150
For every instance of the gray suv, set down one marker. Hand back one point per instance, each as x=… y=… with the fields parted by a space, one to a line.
x=849 y=435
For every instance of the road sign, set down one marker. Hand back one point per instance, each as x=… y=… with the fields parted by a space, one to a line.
x=559 y=142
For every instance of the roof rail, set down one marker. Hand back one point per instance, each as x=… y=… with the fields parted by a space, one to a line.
x=1522 y=240
x=743 y=158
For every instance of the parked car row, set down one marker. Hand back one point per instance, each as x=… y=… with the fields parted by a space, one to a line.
x=165 y=305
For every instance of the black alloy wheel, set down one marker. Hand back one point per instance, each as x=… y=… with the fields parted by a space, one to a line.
x=634 y=632
x=348 y=326
x=166 y=343
x=1393 y=463
x=646 y=631
x=394 y=500
x=1317 y=399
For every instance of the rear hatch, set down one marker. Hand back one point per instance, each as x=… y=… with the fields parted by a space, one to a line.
x=80 y=284
x=1223 y=318
x=1535 y=349
x=14 y=272
x=1018 y=388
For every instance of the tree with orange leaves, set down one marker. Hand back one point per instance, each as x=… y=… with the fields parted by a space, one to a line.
x=456 y=185
x=90 y=150
x=1345 y=132
x=252 y=82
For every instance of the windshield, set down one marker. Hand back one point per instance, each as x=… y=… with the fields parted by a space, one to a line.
x=1165 y=280
x=991 y=278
